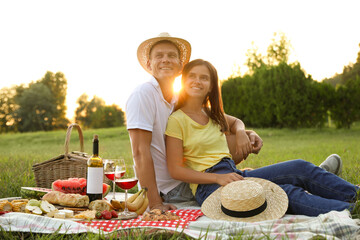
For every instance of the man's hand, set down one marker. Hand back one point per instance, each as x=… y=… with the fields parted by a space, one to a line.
x=255 y=141
x=243 y=145
x=163 y=207
x=252 y=137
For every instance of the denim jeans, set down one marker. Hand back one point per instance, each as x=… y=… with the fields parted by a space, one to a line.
x=310 y=189
x=181 y=193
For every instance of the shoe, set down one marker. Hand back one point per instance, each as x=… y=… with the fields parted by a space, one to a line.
x=333 y=164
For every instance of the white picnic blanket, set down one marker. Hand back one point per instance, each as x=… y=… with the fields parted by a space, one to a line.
x=333 y=225
x=21 y=222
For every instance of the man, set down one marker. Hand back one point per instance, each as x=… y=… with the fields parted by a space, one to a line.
x=147 y=112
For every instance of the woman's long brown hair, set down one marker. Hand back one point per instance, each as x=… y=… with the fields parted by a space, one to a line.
x=212 y=103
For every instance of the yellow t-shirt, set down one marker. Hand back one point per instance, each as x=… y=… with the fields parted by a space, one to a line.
x=203 y=145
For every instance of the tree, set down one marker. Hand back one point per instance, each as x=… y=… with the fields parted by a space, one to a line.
x=7 y=106
x=36 y=108
x=40 y=105
x=95 y=114
x=57 y=84
x=279 y=50
x=333 y=81
x=349 y=72
x=346 y=107
x=254 y=59
x=275 y=93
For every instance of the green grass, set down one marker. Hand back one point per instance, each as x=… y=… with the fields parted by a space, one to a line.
x=19 y=151
x=313 y=145
x=133 y=234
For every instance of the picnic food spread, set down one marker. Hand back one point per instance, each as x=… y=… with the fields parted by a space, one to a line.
x=75 y=206
x=78 y=198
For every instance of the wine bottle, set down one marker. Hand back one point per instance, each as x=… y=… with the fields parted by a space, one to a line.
x=95 y=173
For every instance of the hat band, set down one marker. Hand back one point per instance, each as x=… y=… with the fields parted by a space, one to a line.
x=244 y=214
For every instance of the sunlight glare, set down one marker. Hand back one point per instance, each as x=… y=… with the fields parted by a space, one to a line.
x=177 y=84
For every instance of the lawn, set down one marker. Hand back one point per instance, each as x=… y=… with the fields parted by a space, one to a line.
x=19 y=151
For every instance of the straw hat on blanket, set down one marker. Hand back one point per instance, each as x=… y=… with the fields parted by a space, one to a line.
x=248 y=200
x=143 y=52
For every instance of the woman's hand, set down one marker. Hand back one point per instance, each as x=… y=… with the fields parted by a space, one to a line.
x=223 y=179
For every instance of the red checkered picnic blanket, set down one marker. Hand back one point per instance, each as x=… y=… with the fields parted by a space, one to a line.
x=186 y=215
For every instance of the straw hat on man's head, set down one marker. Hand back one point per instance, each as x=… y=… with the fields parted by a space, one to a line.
x=143 y=52
x=248 y=200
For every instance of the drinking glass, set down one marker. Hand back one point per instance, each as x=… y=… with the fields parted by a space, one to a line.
x=129 y=181
x=114 y=169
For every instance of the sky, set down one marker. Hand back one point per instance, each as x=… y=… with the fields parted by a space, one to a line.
x=94 y=43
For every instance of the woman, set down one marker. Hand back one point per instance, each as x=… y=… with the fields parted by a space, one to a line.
x=197 y=152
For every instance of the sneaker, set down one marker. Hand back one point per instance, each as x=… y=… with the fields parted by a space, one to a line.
x=333 y=164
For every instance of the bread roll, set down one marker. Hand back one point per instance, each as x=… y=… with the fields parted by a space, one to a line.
x=18 y=206
x=5 y=206
x=66 y=199
x=100 y=205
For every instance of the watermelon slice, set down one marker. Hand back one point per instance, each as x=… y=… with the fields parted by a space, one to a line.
x=33 y=192
x=75 y=185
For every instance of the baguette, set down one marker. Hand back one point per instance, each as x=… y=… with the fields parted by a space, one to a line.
x=66 y=199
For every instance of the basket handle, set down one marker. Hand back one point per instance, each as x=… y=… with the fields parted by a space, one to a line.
x=67 y=139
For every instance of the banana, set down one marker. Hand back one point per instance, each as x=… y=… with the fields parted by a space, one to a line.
x=118 y=205
x=134 y=196
x=137 y=203
x=134 y=203
x=143 y=208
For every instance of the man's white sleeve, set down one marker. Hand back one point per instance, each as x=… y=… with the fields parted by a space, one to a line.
x=140 y=111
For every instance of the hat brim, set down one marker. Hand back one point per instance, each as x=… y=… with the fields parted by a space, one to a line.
x=145 y=47
x=277 y=204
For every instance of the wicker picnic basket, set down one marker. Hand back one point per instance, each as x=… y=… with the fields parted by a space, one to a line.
x=67 y=165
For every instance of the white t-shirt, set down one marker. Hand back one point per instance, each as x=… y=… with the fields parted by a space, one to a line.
x=147 y=109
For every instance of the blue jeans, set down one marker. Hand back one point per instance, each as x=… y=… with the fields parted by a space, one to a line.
x=181 y=193
x=310 y=189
